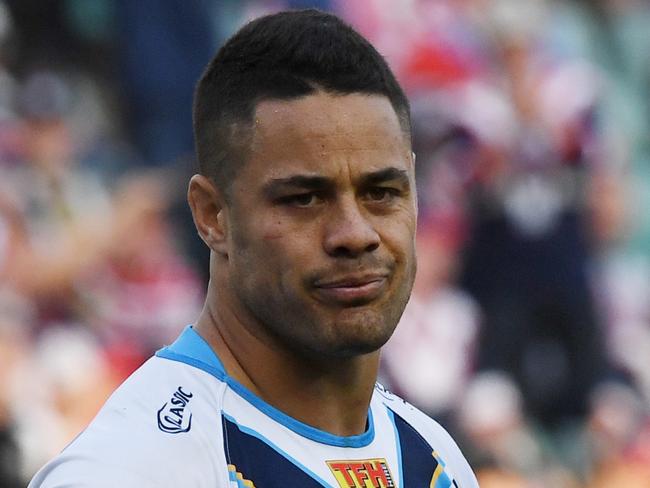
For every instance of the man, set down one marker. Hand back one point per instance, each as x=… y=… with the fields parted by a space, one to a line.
x=306 y=199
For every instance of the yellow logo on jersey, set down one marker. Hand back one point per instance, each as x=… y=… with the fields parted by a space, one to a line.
x=362 y=473
x=238 y=479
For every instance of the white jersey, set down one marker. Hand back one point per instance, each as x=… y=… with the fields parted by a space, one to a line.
x=180 y=420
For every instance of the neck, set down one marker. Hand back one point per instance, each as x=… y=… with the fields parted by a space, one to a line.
x=331 y=394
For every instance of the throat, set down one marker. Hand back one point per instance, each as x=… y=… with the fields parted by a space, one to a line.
x=333 y=399
x=332 y=395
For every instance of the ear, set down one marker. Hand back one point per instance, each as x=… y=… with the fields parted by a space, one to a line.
x=209 y=212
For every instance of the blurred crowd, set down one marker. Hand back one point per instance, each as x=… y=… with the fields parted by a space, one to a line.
x=528 y=331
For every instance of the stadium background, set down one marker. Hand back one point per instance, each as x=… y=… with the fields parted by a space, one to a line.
x=528 y=334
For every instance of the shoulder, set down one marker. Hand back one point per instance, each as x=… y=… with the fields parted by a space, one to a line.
x=415 y=423
x=163 y=418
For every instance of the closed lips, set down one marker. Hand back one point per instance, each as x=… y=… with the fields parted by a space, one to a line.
x=351 y=281
x=352 y=290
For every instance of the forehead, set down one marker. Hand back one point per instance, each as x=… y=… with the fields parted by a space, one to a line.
x=318 y=131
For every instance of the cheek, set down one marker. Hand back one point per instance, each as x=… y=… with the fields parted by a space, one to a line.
x=273 y=225
x=288 y=250
x=272 y=235
x=258 y=230
x=290 y=240
x=276 y=267
x=274 y=229
x=399 y=237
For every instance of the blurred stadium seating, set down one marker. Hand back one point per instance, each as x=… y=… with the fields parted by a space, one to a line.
x=528 y=333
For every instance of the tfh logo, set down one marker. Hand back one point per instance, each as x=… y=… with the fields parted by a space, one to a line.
x=362 y=473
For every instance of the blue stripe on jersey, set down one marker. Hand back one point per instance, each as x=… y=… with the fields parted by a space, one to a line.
x=190 y=348
x=261 y=461
x=191 y=345
x=398 y=446
x=305 y=430
x=420 y=465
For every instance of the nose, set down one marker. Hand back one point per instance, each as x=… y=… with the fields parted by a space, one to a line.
x=349 y=233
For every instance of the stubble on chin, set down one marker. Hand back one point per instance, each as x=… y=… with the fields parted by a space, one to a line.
x=305 y=327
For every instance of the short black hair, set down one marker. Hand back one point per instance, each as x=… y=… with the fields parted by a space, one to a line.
x=282 y=56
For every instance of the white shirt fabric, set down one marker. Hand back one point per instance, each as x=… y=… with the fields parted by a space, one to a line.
x=180 y=420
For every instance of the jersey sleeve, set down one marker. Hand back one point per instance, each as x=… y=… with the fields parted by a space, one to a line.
x=161 y=429
x=78 y=472
x=462 y=470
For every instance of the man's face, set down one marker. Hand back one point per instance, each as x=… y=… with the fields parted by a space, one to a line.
x=321 y=224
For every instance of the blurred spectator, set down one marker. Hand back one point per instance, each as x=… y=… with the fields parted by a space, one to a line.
x=529 y=253
x=619 y=429
x=163 y=45
x=60 y=213
x=65 y=398
x=144 y=291
x=91 y=260
x=506 y=447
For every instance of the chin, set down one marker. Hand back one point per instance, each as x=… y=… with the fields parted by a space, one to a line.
x=359 y=348
x=354 y=336
x=344 y=350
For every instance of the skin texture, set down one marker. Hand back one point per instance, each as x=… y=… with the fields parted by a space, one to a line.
x=312 y=256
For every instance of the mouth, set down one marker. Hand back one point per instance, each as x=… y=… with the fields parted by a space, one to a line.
x=352 y=290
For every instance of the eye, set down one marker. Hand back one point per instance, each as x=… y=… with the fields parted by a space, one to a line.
x=301 y=200
x=381 y=194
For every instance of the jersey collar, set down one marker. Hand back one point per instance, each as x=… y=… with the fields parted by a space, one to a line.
x=190 y=348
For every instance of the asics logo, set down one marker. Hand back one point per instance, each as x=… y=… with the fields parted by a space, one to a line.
x=175 y=416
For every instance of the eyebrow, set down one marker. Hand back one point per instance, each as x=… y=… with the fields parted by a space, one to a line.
x=382 y=176
x=315 y=182
x=306 y=182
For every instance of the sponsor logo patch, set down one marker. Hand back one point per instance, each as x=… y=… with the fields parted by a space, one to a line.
x=362 y=473
x=175 y=416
